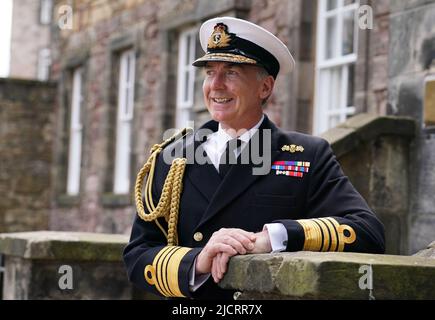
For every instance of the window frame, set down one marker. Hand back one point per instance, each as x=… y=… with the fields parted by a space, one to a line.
x=124 y=121
x=185 y=67
x=323 y=112
x=76 y=134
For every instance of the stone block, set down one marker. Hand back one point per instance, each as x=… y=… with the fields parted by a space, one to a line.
x=51 y=245
x=396 y=231
x=402 y=28
x=407 y=5
x=381 y=7
x=312 y=275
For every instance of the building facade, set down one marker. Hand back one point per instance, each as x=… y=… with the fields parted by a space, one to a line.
x=30 y=39
x=124 y=76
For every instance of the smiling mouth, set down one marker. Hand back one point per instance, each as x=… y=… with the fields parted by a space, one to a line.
x=221 y=100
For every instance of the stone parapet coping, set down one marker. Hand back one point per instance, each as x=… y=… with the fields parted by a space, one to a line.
x=365 y=127
x=53 y=245
x=314 y=275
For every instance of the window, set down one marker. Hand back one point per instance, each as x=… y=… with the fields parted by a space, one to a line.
x=75 y=142
x=45 y=13
x=44 y=63
x=186 y=77
x=124 y=122
x=335 y=63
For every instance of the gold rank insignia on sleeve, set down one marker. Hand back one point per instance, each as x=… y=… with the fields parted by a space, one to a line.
x=163 y=273
x=326 y=234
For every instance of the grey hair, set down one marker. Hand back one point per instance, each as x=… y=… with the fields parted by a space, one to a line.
x=261 y=74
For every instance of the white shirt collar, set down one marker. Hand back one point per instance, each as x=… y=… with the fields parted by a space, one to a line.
x=222 y=137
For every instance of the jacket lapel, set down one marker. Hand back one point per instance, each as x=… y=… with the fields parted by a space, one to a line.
x=204 y=177
x=240 y=176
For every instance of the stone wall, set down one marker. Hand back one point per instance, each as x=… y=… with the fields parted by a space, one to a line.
x=371 y=78
x=26 y=136
x=73 y=265
x=63 y=266
x=412 y=46
x=330 y=276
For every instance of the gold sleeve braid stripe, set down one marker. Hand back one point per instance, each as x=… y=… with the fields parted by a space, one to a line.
x=326 y=234
x=163 y=273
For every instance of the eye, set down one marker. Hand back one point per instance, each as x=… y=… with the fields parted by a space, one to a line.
x=231 y=72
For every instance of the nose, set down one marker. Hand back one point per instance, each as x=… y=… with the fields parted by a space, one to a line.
x=218 y=81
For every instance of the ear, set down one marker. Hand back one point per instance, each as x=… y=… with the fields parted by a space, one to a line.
x=267 y=87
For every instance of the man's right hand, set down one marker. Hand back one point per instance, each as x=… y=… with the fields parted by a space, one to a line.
x=227 y=241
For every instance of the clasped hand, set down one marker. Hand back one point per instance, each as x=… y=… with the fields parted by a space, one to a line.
x=227 y=243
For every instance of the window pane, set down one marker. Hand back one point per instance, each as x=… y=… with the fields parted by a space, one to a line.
x=123 y=130
x=331 y=37
x=186 y=87
x=331 y=4
x=44 y=62
x=75 y=142
x=127 y=68
x=126 y=97
x=45 y=14
x=348 y=2
x=348 y=32
x=351 y=86
x=186 y=76
x=335 y=89
x=188 y=39
x=183 y=117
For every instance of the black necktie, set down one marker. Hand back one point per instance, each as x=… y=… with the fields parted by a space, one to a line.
x=228 y=157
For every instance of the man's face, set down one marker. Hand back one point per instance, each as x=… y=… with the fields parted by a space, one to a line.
x=233 y=93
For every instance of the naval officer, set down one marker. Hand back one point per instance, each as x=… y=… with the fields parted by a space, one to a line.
x=220 y=207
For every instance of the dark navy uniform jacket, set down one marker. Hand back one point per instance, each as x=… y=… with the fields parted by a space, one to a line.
x=313 y=199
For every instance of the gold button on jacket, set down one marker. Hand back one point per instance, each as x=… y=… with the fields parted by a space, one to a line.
x=198 y=236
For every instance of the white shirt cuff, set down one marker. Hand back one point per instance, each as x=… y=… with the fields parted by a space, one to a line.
x=195 y=282
x=278 y=236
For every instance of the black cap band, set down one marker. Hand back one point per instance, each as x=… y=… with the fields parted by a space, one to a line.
x=246 y=48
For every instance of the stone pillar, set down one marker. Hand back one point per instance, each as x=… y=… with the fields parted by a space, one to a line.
x=411 y=23
x=374 y=152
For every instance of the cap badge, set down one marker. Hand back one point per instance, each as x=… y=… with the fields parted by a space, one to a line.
x=220 y=38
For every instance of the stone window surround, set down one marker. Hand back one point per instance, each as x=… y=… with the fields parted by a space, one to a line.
x=343 y=61
x=72 y=62
x=118 y=44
